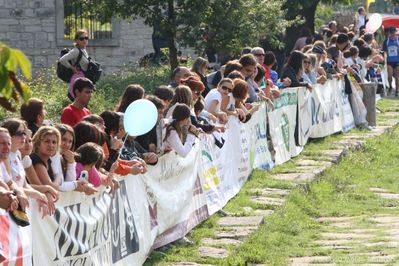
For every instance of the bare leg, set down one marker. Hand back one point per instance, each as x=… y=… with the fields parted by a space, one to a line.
x=396 y=75
x=390 y=72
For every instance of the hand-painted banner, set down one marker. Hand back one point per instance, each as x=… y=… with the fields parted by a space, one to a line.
x=327 y=117
x=348 y=121
x=282 y=122
x=224 y=171
x=319 y=118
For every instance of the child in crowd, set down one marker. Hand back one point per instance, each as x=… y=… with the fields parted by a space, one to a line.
x=86 y=157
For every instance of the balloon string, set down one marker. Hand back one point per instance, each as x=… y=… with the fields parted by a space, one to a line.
x=123 y=145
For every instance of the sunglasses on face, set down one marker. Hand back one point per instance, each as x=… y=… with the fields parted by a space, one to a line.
x=259 y=54
x=306 y=62
x=20 y=133
x=83 y=38
x=226 y=88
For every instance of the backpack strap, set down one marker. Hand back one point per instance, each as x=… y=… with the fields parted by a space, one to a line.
x=79 y=56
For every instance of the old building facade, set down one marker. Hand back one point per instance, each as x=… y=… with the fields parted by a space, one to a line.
x=38 y=28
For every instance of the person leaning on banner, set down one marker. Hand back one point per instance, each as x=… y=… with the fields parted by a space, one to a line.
x=180 y=134
x=293 y=69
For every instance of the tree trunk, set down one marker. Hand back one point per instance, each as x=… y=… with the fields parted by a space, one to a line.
x=172 y=36
x=309 y=14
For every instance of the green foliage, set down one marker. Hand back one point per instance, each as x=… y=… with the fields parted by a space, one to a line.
x=11 y=61
x=324 y=12
x=227 y=26
x=53 y=91
x=220 y=26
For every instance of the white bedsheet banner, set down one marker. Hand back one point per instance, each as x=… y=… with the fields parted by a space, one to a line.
x=163 y=205
x=282 y=122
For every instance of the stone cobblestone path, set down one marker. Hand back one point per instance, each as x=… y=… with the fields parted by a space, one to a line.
x=357 y=240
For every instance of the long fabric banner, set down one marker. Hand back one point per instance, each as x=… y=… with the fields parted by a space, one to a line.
x=164 y=204
x=224 y=171
x=323 y=112
x=282 y=123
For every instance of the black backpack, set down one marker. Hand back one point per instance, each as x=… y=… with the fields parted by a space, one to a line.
x=63 y=72
x=93 y=71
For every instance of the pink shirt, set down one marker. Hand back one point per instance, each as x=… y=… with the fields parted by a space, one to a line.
x=94 y=176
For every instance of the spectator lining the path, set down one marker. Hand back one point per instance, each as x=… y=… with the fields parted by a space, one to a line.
x=180 y=134
x=33 y=113
x=73 y=113
x=132 y=93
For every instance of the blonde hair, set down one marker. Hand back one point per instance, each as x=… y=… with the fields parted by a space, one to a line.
x=45 y=131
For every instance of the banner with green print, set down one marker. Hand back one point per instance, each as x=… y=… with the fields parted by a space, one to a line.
x=282 y=122
x=223 y=171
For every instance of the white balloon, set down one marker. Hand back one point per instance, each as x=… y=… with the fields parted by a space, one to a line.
x=140 y=117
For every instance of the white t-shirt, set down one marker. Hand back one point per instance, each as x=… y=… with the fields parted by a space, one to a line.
x=26 y=162
x=213 y=95
x=231 y=106
x=17 y=169
x=5 y=176
x=56 y=166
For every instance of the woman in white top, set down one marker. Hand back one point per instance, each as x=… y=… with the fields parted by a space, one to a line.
x=215 y=97
x=63 y=162
x=176 y=136
x=17 y=129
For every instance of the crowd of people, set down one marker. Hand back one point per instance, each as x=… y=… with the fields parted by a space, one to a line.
x=85 y=151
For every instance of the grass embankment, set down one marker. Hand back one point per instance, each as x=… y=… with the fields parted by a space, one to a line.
x=290 y=231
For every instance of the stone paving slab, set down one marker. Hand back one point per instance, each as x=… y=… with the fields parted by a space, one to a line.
x=309 y=259
x=388 y=195
x=310 y=162
x=241 y=221
x=306 y=177
x=335 y=219
x=188 y=264
x=287 y=176
x=388 y=244
x=264 y=213
x=337 y=247
x=377 y=189
x=330 y=235
x=347 y=225
x=220 y=241
x=334 y=242
x=385 y=219
x=235 y=232
x=270 y=191
x=211 y=252
x=268 y=200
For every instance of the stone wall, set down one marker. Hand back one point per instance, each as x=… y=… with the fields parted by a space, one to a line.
x=31 y=25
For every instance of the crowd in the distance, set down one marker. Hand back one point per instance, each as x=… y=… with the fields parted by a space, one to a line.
x=86 y=150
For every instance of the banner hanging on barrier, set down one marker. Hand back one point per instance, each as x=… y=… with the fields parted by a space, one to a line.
x=282 y=122
x=224 y=171
x=327 y=117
